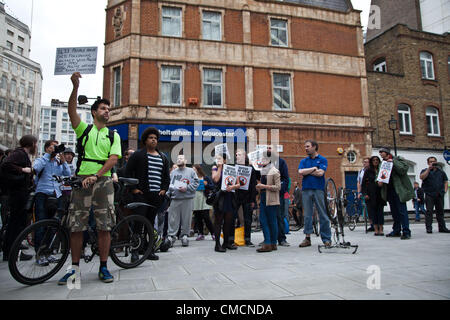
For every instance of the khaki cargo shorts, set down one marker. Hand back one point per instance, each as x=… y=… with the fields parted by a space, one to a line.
x=101 y=197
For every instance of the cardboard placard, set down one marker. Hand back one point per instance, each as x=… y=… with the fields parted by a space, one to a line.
x=70 y=60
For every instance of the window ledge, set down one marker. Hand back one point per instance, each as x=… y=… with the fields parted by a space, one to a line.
x=431 y=82
x=405 y=134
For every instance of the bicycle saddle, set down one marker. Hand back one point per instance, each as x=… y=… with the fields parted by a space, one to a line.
x=134 y=205
x=129 y=181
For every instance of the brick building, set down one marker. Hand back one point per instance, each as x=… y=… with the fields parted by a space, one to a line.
x=409 y=78
x=423 y=15
x=297 y=66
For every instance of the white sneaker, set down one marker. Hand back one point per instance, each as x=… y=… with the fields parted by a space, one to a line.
x=185 y=241
x=42 y=262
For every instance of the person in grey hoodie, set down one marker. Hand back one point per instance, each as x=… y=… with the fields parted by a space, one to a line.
x=183 y=184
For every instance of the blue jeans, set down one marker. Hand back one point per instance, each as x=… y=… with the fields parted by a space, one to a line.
x=419 y=206
x=268 y=220
x=399 y=213
x=317 y=197
x=42 y=211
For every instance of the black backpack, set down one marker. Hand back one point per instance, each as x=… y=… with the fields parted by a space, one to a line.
x=81 y=151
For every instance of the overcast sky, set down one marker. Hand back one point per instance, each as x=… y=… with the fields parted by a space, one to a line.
x=80 y=23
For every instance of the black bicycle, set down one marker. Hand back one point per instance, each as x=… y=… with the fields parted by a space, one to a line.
x=334 y=208
x=132 y=234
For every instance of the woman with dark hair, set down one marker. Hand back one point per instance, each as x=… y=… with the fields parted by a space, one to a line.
x=372 y=195
x=19 y=169
x=201 y=209
x=224 y=207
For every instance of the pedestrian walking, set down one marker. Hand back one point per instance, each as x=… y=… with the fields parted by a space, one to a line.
x=435 y=186
x=313 y=170
x=397 y=192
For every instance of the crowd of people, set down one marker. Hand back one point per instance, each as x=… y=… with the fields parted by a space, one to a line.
x=193 y=195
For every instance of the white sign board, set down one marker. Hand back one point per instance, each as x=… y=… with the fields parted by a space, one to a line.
x=228 y=176
x=221 y=149
x=70 y=60
x=385 y=171
x=243 y=174
x=256 y=157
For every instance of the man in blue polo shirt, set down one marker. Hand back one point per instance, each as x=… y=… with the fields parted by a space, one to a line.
x=312 y=169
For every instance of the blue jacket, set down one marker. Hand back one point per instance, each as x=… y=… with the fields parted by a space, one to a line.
x=46 y=168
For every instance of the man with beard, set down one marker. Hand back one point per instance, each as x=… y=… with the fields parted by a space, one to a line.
x=397 y=192
x=98 y=150
x=183 y=185
x=18 y=173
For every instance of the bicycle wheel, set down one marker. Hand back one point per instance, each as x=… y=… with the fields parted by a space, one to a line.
x=131 y=241
x=331 y=196
x=52 y=252
x=315 y=222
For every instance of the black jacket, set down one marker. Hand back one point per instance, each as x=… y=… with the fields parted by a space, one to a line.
x=420 y=195
x=370 y=187
x=248 y=196
x=137 y=167
x=12 y=170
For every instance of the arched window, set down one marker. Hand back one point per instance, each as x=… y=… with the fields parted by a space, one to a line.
x=426 y=65
x=380 y=65
x=432 y=114
x=404 y=119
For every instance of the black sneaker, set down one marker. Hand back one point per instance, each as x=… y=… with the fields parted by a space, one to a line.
x=394 y=235
x=444 y=230
x=152 y=256
x=405 y=237
x=248 y=243
x=371 y=229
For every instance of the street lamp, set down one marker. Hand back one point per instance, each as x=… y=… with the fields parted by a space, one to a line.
x=393 y=127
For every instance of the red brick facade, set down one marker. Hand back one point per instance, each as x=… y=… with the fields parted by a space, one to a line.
x=324 y=60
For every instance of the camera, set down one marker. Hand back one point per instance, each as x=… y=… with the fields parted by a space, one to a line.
x=435 y=164
x=59 y=149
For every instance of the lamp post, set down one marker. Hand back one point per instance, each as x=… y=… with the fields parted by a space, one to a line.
x=393 y=127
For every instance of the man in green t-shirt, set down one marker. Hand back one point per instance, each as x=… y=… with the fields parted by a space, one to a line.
x=100 y=155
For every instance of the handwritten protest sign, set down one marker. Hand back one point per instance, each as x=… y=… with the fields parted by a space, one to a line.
x=229 y=176
x=221 y=149
x=385 y=171
x=70 y=60
x=243 y=174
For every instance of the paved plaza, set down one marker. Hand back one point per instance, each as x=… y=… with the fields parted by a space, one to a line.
x=415 y=269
